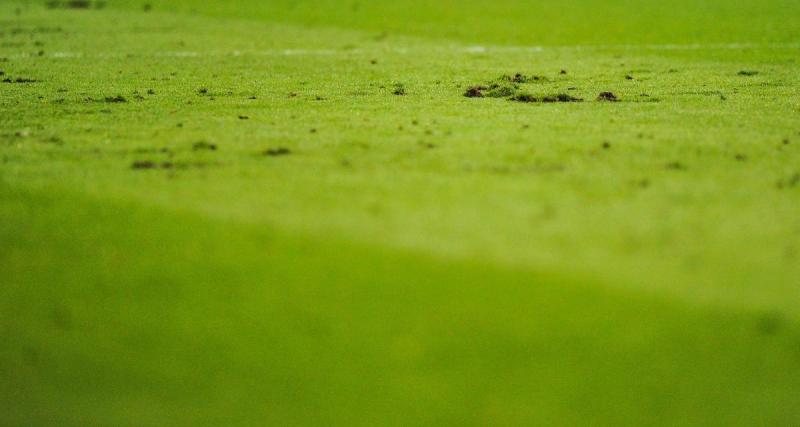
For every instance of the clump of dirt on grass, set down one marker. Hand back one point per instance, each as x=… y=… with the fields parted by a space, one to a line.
x=677 y=166
x=19 y=80
x=143 y=164
x=475 y=91
x=275 y=152
x=496 y=90
x=561 y=97
x=509 y=87
x=115 y=99
x=149 y=164
x=607 y=97
x=399 y=89
x=204 y=146
x=747 y=73
x=492 y=90
x=522 y=78
x=75 y=4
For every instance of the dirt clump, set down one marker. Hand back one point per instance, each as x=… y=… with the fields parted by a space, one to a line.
x=522 y=78
x=275 y=152
x=607 y=97
x=19 y=80
x=204 y=146
x=561 y=97
x=501 y=90
x=75 y=4
x=475 y=91
x=678 y=166
x=143 y=164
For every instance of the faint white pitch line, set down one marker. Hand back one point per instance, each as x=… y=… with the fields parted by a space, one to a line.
x=470 y=50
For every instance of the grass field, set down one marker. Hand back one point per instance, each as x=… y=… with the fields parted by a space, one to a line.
x=288 y=213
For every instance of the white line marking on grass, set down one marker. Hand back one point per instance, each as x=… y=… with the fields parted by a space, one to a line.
x=470 y=50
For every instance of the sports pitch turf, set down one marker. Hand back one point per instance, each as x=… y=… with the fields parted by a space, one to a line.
x=288 y=213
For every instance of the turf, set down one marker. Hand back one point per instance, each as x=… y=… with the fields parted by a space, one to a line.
x=245 y=213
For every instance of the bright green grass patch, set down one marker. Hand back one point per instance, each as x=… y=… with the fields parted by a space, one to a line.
x=528 y=22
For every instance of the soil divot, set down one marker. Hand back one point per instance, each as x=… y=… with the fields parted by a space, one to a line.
x=275 y=152
x=561 y=97
x=607 y=97
x=204 y=146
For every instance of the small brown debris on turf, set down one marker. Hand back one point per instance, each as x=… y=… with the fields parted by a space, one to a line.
x=475 y=92
x=606 y=145
x=202 y=91
x=275 y=152
x=675 y=166
x=563 y=72
x=607 y=96
x=204 y=146
x=522 y=78
x=740 y=157
x=72 y=4
x=524 y=97
x=747 y=73
x=115 y=99
x=562 y=97
x=143 y=164
x=501 y=90
x=243 y=117
x=19 y=80
x=629 y=77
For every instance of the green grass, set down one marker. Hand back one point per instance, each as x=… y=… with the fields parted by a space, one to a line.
x=416 y=259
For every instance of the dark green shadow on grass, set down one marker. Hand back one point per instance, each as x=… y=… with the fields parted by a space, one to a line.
x=119 y=314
